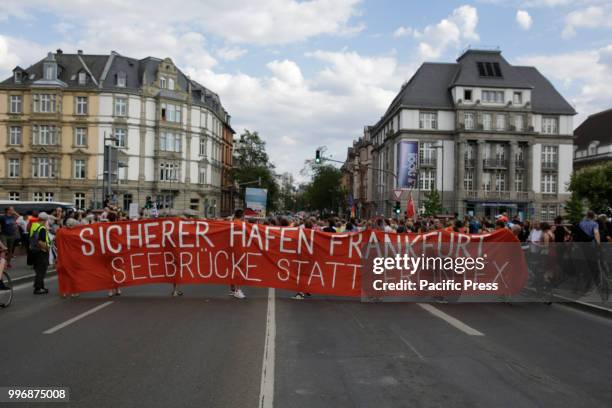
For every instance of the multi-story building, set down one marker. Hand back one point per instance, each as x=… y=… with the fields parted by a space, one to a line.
x=489 y=136
x=57 y=115
x=228 y=190
x=593 y=140
x=358 y=166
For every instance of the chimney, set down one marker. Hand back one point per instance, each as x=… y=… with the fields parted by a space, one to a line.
x=80 y=52
x=59 y=51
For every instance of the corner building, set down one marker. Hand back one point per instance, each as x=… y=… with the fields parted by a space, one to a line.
x=488 y=135
x=57 y=115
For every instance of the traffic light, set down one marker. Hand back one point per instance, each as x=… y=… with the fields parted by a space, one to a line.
x=318 y=157
x=398 y=208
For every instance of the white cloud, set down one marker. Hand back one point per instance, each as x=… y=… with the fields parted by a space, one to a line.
x=590 y=17
x=15 y=51
x=230 y=53
x=457 y=28
x=580 y=73
x=239 y=21
x=402 y=31
x=524 y=20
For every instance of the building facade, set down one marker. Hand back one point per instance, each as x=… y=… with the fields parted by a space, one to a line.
x=359 y=176
x=593 y=141
x=489 y=136
x=57 y=115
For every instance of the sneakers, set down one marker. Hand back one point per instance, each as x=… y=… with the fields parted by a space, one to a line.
x=298 y=296
x=238 y=294
x=177 y=293
x=42 y=291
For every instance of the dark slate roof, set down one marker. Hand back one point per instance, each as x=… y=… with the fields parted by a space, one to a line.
x=544 y=97
x=596 y=127
x=105 y=69
x=467 y=73
x=430 y=86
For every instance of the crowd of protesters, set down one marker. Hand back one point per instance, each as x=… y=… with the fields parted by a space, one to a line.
x=35 y=232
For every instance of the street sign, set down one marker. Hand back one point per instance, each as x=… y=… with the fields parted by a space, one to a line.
x=397 y=193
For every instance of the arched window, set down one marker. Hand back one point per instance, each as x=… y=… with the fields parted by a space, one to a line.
x=593 y=147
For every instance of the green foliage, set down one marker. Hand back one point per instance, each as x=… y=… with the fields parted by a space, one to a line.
x=595 y=185
x=574 y=208
x=324 y=192
x=251 y=163
x=432 y=203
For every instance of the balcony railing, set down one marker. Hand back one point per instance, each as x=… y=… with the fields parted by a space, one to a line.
x=470 y=163
x=495 y=163
x=522 y=195
x=499 y=195
x=520 y=164
x=427 y=162
x=550 y=165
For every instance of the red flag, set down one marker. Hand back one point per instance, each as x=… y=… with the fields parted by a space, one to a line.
x=410 y=208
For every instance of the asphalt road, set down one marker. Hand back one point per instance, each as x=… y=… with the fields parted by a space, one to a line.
x=147 y=349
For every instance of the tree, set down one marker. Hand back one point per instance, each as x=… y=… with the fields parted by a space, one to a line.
x=324 y=193
x=595 y=185
x=574 y=208
x=251 y=164
x=432 y=203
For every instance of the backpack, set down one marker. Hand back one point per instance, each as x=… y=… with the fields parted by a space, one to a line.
x=34 y=234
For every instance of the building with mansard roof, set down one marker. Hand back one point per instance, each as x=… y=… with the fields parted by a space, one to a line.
x=171 y=134
x=491 y=137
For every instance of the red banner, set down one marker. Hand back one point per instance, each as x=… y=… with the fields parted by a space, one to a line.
x=172 y=250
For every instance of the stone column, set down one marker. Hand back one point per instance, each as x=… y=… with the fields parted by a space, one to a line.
x=460 y=191
x=512 y=168
x=479 y=159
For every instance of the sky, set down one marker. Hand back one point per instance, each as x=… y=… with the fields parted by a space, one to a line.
x=306 y=74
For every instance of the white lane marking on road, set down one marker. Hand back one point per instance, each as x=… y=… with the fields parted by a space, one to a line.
x=450 y=320
x=77 y=318
x=30 y=284
x=266 y=389
x=414 y=350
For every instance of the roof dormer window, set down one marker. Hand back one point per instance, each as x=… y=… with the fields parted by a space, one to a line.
x=489 y=69
x=17 y=77
x=121 y=79
x=82 y=78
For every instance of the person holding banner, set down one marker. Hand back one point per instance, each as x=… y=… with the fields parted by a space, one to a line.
x=235 y=290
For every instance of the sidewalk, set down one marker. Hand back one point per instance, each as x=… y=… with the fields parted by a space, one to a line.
x=20 y=269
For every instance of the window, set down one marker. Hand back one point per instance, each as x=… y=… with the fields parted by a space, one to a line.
x=468 y=180
x=43 y=167
x=14 y=168
x=169 y=171
x=500 y=152
x=549 y=212
x=171 y=113
x=202 y=146
x=549 y=183
x=15 y=135
x=79 y=201
x=120 y=106
x=489 y=69
x=519 y=181
x=120 y=137
x=14 y=196
x=170 y=141
x=428 y=120
x=550 y=154
x=121 y=80
x=194 y=204
x=467 y=94
x=500 y=181
x=519 y=123
x=486 y=181
x=127 y=200
x=162 y=82
x=202 y=175
x=79 y=169
x=44 y=135
x=171 y=84
x=427 y=153
x=81 y=105
x=49 y=71
x=17 y=77
x=517 y=98
x=500 y=122
x=427 y=180
x=49 y=196
x=80 y=137
x=592 y=149
x=469 y=120
x=493 y=96
x=16 y=104
x=37 y=196
x=550 y=126
x=82 y=78
x=44 y=103
x=486 y=121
